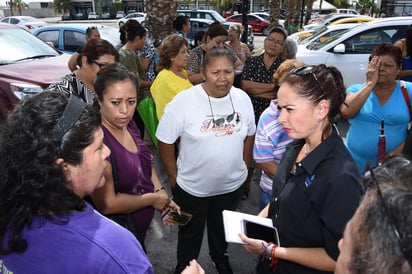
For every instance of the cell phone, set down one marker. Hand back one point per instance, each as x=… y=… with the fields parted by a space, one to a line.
x=173 y=217
x=258 y=231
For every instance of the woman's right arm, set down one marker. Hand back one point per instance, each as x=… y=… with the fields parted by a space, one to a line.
x=354 y=101
x=109 y=202
x=167 y=154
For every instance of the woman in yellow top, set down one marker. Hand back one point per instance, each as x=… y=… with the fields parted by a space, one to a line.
x=172 y=76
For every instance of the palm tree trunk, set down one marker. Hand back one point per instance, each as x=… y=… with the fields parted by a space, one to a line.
x=160 y=16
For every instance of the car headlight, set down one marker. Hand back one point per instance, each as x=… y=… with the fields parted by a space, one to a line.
x=21 y=90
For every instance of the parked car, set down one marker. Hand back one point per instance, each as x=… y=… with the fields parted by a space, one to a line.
x=27 y=66
x=329 y=19
x=349 y=50
x=106 y=15
x=27 y=22
x=92 y=16
x=266 y=16
x=351 y=20
x=70 y=37
x=203 y=14
x=258 y=24
x=349 y=11
x=119 y=14
x=80 y=16
x=138 y=16
x=322 y=34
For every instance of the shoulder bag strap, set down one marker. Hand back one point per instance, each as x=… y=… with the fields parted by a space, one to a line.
x=407 y=99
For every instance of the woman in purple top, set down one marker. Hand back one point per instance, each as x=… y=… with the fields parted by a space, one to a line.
x=56 y=156
x=139 y=189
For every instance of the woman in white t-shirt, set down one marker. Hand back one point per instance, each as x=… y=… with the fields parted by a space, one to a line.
x=214 y=123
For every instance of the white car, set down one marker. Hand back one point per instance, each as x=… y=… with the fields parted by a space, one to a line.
x=138 y=16
x=92 y=16
x=27 y=22
x=322 y=34
x=349 y=50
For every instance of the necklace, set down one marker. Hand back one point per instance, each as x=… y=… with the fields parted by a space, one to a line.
x=305 y=150
x=229 y=118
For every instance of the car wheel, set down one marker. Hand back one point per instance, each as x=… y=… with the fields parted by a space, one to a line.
x=265 y=31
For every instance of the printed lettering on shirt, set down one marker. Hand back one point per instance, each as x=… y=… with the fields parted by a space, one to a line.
x=222 y=125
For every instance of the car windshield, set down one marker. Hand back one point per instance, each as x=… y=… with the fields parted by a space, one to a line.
x=331 y=39
x=313 y=34
x=217 y=16
x=18 y=44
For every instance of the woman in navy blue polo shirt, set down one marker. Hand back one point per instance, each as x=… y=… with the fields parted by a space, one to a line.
x=315 y=189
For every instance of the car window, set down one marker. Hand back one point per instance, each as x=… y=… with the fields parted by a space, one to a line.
x=18 y=44
x=251 y=19
x=14 y=21
x=73 y=40
x=366 y=41
x=50 y=36
x=209 y=16
x=5 y=20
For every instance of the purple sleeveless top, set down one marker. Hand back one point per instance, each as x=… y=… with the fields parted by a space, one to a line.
x=134 y=172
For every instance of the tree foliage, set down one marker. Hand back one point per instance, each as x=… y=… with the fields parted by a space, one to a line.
x=62 y=6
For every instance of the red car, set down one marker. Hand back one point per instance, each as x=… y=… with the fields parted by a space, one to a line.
x=27 y=66
x=258 y=23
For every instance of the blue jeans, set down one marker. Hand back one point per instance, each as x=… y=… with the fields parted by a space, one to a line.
x=264 y=199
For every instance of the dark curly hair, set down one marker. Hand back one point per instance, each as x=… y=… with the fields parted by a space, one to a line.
x=320 y=82
x=31 y=182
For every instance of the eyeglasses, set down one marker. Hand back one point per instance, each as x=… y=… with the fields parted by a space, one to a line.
x=101 y=65
x=276 y=42
x=393 y=224
x=304 y=70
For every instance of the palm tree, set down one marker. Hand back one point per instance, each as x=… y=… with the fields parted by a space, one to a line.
x=292 y=15
x=309 y=6
x=274 y=13
x=63 y=6
x=159 y=20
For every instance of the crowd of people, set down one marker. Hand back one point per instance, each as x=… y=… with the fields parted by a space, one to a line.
x=77 y=162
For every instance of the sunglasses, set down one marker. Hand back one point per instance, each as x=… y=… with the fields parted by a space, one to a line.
x=393 y=224
x=101 y=65
x=304 y=70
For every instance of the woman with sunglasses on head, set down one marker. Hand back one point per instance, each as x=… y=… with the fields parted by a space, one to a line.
x=315 y=188
x=214 y=124
x=96 y=54
x=378 y=238
x=56 y=156
x=380 y=98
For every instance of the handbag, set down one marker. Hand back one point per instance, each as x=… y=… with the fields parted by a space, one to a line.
x=147 y=111
x=407 y=148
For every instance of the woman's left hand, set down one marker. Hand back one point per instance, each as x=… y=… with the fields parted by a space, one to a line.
x=253 y=245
